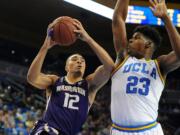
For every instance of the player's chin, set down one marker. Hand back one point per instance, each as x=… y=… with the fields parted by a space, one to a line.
x=132 y=50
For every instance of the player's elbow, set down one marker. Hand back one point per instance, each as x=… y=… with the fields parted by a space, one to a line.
x=107 y=69
x=117 y=19
x=177 y=54
x=110 y=67
x=30 y=81
x=34 y=82
x=31 y=78
x=106 y=74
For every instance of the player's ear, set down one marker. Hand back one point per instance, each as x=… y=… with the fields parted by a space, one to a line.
x=66 y=68
x=148 y=44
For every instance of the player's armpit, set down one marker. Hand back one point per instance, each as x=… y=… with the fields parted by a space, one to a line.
x=168 y=62
x=43 y=81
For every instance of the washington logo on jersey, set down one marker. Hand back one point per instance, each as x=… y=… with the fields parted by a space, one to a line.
x=71 y=89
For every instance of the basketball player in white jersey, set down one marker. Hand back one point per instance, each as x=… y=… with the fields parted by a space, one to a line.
x=138 y=80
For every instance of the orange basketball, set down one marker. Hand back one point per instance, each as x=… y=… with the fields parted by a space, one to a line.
x=63 y=31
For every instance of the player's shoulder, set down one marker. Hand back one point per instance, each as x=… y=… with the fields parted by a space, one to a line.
x=120 y=62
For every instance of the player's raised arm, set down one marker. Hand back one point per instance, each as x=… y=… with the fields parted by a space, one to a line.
x=102 y=73
x=170 y=61
x=35 y=77
x=118 y=27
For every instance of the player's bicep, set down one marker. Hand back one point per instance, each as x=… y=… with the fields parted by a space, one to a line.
x=169 y=62
x=119 y=35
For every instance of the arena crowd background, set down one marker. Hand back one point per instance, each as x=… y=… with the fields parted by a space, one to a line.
x=23 y=27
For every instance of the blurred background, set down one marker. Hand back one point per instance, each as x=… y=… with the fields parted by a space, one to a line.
x=23 y=26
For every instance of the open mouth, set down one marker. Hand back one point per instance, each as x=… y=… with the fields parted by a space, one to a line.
x=79 y=67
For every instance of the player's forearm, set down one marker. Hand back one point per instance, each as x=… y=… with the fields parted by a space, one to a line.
x=173 y=35
x=118 y=25
x=103 y=56
x=36 y=66
x=121 y=10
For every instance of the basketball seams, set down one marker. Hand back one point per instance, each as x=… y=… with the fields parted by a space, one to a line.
x=64 y=36
x=70 y=27
x=60 y=36
x=68 y=31
x=64 y=31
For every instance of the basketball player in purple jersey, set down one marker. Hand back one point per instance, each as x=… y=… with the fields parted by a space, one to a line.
x=70 y=96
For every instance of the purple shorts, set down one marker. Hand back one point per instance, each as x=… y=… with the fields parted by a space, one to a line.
x=42 y=128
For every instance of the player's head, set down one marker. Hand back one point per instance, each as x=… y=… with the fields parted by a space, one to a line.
x=144 y=41
x=76 y=64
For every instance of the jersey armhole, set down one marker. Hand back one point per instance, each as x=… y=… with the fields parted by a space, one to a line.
x=52 y=87
x=162 y=76
x=118 y=66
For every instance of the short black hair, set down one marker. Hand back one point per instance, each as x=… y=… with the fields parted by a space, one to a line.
x=150 y=33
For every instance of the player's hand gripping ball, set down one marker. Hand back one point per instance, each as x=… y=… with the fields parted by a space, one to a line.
x=62 y=31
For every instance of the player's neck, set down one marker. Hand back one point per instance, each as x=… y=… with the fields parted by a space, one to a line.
x=146 y=57
x=72 y=78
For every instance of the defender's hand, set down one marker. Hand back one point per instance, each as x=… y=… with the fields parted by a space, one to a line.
x=80 y=32
x=159 y=8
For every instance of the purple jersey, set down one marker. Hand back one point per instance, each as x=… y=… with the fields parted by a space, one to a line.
x=67 y=107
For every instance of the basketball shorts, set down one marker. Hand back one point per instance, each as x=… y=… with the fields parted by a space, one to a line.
x=42 y=128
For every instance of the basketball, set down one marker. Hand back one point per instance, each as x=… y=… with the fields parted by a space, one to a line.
x=63 y=31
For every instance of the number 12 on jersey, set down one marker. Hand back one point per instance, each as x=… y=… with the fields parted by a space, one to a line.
x=133 y=83
x=70 y=100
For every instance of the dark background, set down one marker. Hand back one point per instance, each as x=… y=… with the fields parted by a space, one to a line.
x=23 y=25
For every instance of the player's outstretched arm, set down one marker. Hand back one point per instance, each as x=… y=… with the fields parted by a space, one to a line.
x=102 y=73
x=35 y=77
x=119 y=29
x=170 y=61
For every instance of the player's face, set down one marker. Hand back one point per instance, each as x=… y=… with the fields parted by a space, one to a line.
x=136 y=45
x=76 y=64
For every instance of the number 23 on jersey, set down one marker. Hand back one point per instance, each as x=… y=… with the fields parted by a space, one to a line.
x=133 y=85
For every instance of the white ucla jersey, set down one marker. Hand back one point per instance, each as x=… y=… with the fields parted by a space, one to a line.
x=136 y=88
